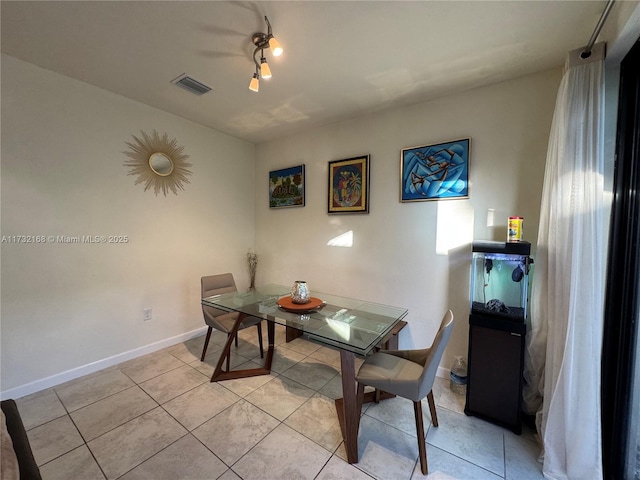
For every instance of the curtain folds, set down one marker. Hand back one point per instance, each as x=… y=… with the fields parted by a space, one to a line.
x=562 y=365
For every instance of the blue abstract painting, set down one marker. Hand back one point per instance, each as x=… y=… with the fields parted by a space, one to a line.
x=435 y=172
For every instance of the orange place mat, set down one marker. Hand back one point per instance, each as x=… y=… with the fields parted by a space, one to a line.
x=287 y=304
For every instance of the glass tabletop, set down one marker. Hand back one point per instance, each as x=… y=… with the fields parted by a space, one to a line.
x=341 y=322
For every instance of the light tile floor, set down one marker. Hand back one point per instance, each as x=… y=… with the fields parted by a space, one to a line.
x=158 y=417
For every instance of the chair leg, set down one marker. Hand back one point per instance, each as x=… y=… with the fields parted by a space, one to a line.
x=236 y=339
x=422 y=448
x=229 y=356
x=206 y=344
x=260 y=339
x=432 y=408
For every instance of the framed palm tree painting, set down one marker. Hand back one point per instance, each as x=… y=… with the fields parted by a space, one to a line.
x=349 y=185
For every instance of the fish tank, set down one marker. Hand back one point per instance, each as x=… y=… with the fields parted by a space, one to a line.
x=500 y=275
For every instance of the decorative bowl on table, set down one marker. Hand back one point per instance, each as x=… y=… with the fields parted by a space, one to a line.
x=287 y=303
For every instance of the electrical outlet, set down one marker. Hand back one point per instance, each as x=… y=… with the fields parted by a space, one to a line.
x=146 y=313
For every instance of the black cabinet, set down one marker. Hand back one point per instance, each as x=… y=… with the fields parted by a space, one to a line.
x=496 y=361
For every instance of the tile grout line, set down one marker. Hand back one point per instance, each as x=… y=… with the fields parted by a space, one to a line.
x=307 y=357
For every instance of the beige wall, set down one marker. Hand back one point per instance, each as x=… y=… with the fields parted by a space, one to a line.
x=70 y=309
x=65 y=306
x=415 y=255
x=67 y=309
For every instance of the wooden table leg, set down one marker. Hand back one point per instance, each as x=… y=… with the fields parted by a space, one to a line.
x=292 y=333
x=271 y=338
x=347 y=406
x=220 y=374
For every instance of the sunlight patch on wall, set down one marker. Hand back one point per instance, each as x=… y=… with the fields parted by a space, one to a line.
x=454 y=225
x=344 y=240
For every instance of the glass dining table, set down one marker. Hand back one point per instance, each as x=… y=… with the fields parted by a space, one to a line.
x=354 y=327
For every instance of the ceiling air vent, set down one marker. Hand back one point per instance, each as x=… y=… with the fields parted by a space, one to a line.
x=190 y=84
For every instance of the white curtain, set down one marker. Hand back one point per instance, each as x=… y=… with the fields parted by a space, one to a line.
x=564 y=346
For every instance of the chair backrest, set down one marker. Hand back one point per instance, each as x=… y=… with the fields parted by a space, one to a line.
x=218 y=284
x=435 y=354
x=215 y=285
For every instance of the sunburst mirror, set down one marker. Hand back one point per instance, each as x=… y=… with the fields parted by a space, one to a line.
x=158 y=162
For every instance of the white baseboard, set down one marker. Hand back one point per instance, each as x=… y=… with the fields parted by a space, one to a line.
x=77 y=372
x=53 y=380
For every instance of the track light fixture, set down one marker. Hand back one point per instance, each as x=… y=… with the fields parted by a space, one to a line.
x=264 y=68
x=262 y=41
x=254 y=85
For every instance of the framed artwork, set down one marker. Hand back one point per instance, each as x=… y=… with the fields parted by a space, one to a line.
x=435 y=172
x=286 y=187
x=349 y=185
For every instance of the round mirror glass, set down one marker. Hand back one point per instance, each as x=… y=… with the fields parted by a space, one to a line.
x=161 y=164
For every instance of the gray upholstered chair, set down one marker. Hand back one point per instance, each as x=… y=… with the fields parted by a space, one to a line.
x=220 y=319
x=408 y=374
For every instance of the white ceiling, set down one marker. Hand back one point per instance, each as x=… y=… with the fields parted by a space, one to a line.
x=341 y=59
